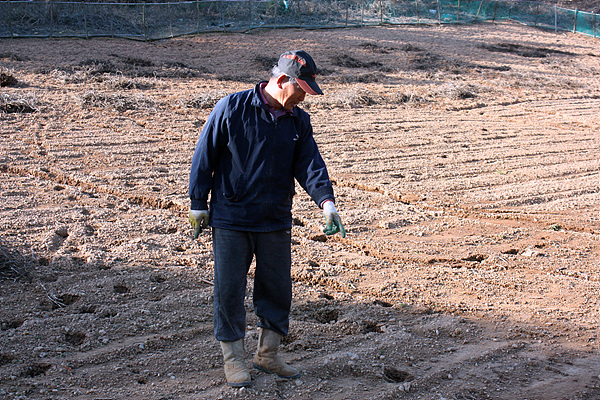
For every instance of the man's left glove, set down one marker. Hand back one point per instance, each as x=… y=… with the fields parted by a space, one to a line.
x=332 y=219
x=199 y=221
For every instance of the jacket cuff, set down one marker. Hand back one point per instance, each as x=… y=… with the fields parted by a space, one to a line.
x=322 y=194
x=323 y=202
x=199 y=205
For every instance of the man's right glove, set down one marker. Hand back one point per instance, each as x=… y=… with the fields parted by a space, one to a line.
x=199 y=221
x=332 y=219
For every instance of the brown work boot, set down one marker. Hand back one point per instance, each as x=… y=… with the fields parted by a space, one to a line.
x=236 y=371
x=266 y=358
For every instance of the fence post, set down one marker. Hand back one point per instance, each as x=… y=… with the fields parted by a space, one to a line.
x=495 y=9
x=347 y=12
x=197 y=16
x=575 y=22
x=555 y=18
x=144 y=21
x=594 y=23
x=380 y=12
x=249 y=14
x=51 y=19
x=85 y=28
x=299 y=14
x=221 y=12
x=170 y=18
x=10 y=19
x=112 y=32
x=439 y=12
x=362 y=13
x=417 y=10
x=478 y=10
x=458 y=12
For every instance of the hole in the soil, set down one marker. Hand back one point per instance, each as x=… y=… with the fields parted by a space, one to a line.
x=318 y=238
x=36 y=369
x=68 y=299
x=475 y=257
x=14 y=324
x=382 y=303
x=327 y=315
x=370 y=326
x=121 y=289
x=325 y=296
x=91 y=309
x=297 y=222
x=75 y=338
x=395 y=375
x=158 y=278
x=7 y=358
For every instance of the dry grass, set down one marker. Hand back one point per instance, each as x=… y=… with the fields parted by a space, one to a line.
x=351 y=98
x=457 y=91
x=205 y=100
x=118 y=102
x=120 y=82
x=6 y=79
x=16 y=103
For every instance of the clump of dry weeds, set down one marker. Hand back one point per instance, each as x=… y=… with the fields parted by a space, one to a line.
x=352 y=98
x=205 y=100
x=6 y=79
x=15 y=103
x=457 y=91
x=407 y=98
x=120 y=82
x=66 y=77
x=118 y=102
x=97 y=67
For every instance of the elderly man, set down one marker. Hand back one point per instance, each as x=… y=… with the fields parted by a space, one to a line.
x=253 y=146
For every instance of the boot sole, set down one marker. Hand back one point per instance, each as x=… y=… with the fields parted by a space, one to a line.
x=241 y=384
x=263 y=369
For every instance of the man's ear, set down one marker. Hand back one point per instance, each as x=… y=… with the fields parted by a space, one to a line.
x=281 y=80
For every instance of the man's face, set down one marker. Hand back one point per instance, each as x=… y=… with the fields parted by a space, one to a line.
x=291 y=95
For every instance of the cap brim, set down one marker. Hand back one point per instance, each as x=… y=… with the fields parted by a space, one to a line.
x=309 y=87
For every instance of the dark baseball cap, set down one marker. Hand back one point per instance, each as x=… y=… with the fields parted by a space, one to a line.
x=300 y=65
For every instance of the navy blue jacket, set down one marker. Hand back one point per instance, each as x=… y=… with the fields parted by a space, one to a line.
x=247 y=160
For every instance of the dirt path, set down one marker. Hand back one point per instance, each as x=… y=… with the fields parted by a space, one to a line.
x=466 y=165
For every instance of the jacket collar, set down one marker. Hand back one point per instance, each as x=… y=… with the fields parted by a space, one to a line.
x=259 y=100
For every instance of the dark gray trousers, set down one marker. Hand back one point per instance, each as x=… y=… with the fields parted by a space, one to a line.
x=272 y=294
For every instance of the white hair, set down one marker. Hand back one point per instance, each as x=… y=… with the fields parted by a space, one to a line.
x=276 y=73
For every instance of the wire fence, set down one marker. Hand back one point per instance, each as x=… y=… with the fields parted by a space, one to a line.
x=151 y=21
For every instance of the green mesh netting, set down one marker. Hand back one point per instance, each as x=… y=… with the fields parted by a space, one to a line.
x=162 y=20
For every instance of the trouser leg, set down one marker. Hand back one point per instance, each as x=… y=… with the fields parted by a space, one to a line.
x=233 y=255
x=272 y=280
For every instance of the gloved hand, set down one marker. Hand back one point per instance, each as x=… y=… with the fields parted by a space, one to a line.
x=199 y=221
x=333 y=220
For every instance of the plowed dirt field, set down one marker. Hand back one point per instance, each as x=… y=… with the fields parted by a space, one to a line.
x=466 y=163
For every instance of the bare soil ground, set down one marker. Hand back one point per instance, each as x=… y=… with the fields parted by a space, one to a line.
x=466 y=163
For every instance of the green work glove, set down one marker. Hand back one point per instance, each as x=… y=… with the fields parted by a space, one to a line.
x=199 y=221
x=333 y=220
